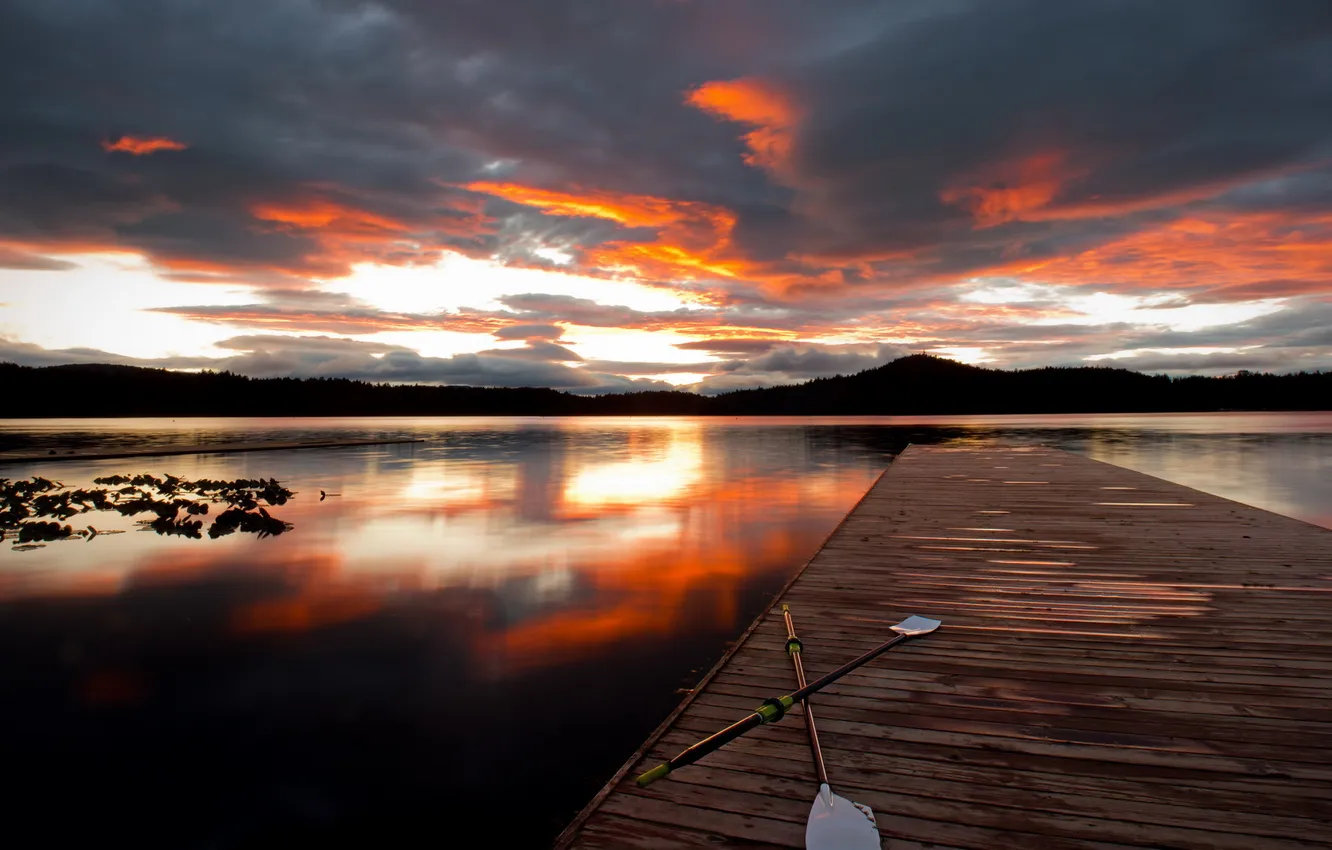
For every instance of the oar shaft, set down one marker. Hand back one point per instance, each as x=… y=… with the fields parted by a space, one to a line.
x=713 y=742
x=794 y=648
x=824 y=681
x=770 y=711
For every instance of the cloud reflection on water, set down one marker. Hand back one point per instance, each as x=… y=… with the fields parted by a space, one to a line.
x=466 y=607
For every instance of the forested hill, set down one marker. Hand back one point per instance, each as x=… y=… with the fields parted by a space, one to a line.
x=919 y=384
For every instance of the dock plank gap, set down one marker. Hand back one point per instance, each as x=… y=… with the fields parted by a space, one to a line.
x=1124 y=663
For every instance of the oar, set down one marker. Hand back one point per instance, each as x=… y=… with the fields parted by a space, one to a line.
x=774 y=708
x=835 y=823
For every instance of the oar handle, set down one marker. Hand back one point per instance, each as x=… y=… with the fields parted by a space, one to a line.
x=793 y=644
x=770 y=711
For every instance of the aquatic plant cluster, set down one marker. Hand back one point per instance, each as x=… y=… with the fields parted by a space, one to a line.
x=34 y=510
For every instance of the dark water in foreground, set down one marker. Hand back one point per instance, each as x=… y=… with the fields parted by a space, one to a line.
x=482 y=626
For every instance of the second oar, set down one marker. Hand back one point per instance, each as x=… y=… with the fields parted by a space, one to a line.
x=774 y=708
x=835 y=823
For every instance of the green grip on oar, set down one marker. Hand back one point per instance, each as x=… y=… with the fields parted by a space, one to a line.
x=770 y=711
x=653 y=775
x=774 y=709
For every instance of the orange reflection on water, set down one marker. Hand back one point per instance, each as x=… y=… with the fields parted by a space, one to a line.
x=658 y=474
x=321 y=607
x=541 y=549
x=657 y=591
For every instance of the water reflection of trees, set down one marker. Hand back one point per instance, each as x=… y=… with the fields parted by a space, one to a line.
x=34 y=510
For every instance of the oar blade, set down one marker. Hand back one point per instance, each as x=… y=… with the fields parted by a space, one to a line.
x=915 y=625
x=836 y=823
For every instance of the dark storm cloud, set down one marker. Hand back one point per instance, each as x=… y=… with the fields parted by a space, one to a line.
x=1135 y=103
x=385 y=104
x=380 y=107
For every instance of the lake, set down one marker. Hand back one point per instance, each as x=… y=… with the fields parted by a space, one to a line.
x=480 y=626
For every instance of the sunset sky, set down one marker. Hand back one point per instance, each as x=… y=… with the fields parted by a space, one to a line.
x=600 y=195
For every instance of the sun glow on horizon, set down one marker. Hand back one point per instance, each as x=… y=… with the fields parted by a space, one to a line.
x=971 y=355
x=105 y=302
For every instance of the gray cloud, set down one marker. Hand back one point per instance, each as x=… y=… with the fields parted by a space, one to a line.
x=31 y=354
x=27 y=261
x=270 y=356
x=640 y=367
x=585 y=311
x=1222 y=363
x=791 y=364
x=530 y=332
x=333 y=312
x=536 y=349
x=382 y=107
x=730 y=345
x=320 y=133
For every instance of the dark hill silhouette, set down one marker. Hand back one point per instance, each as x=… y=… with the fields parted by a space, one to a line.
x=919 y=384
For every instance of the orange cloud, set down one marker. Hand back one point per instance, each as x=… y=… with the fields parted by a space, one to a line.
x=1264 y=254
x=1012 y=191
x=629 y=210
x=346 y=322
x=347 y=234
x=143 y=145
x=323 y=214
x=760 y=104
x=693 y=239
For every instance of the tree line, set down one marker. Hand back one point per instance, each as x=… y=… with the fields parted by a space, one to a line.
x=918 y=384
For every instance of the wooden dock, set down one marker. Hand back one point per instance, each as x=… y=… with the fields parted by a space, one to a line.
x=52 y=455
x=1124 y=662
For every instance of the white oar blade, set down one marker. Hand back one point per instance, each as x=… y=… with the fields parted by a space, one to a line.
x=836 y=823
x=914 y=625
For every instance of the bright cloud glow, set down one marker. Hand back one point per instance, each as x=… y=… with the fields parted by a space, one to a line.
x=1068 y=305
x=103 y=304
x=1103 y=308
x=964 y=354
x=632 y=345
x=1169 y=352
x=456 y=281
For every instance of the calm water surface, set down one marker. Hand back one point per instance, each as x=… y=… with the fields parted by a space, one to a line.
x=485 y=624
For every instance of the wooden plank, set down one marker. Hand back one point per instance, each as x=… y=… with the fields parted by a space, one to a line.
x=1124 y=663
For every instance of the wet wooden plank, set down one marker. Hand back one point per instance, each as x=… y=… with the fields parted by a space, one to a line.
x=1125 y=662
